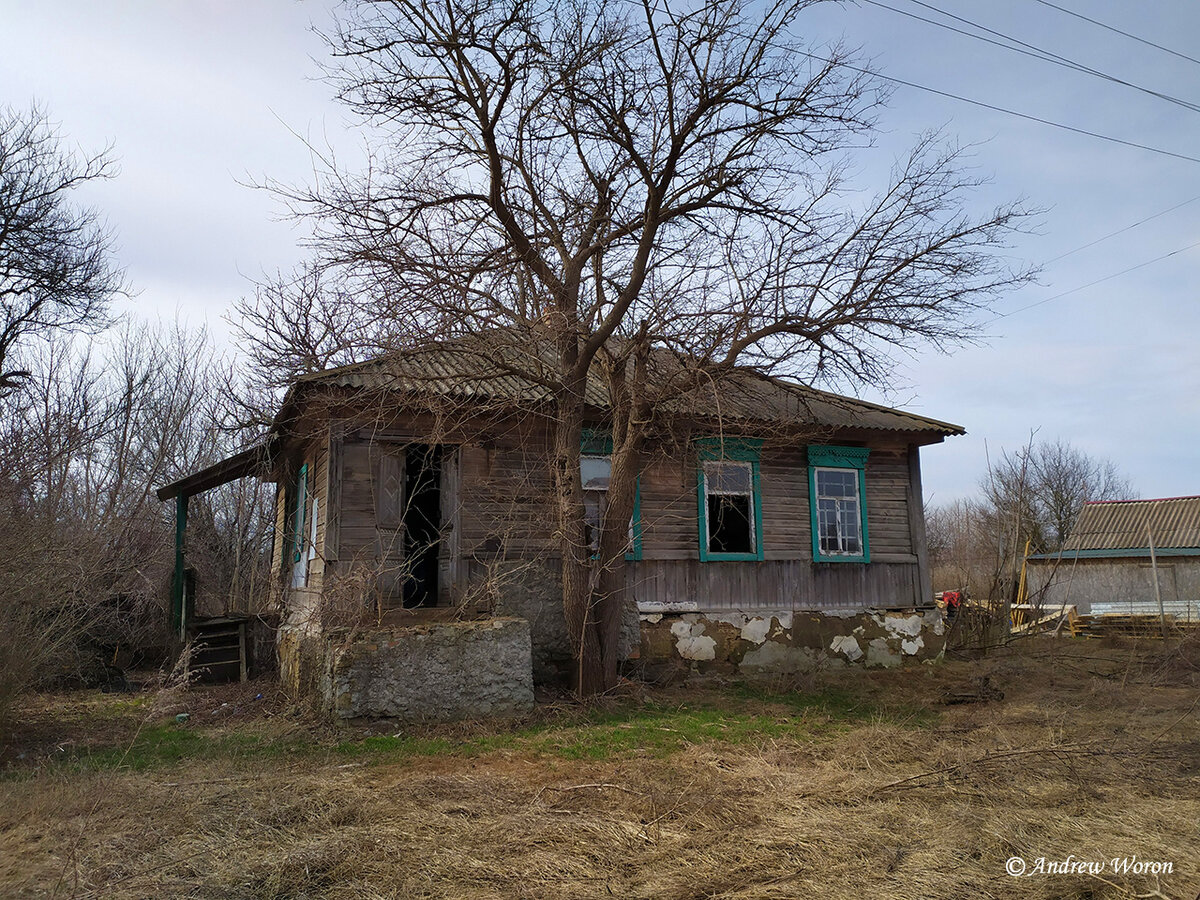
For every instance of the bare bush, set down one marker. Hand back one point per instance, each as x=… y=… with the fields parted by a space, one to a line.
x=86 y=546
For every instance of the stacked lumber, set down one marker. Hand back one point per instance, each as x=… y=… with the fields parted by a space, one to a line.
x=1122 y=625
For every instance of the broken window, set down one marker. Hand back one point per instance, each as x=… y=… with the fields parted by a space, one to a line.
x=730 y=514
x=729 y=507
x=595 y=472
x=837 y=482
x=300 y=496
x=839 y=515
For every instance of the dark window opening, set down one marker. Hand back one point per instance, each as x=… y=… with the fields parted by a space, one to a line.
x=422 y=524
x=730 y=525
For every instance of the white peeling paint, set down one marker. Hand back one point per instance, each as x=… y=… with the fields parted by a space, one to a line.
x=756 y=630
x=653 y=618
x=845 y=643
x=653 y=606
x=934 y=620
x=912 y=647
x=902 y=625
x=692 y=642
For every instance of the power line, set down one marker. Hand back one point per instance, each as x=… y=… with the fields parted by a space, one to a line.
x=1120 y=231
x=1027 y=49
x=1010 y=112
x=961 y=99
x=1132 y=37
x=1083 y=287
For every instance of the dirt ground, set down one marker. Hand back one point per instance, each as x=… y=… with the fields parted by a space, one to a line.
x=850 y=784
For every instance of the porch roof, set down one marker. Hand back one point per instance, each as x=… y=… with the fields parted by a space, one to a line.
x=253 y=460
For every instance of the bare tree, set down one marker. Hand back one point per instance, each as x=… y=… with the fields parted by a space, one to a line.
x=1039 y=490
x=637 y=196
x=56 y=271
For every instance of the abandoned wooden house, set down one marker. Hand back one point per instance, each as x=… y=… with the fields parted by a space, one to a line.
x=776 y=528
x=1122 y=558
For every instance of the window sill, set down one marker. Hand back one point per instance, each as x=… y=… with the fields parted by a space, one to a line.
x=731 y=557
x=841 y=559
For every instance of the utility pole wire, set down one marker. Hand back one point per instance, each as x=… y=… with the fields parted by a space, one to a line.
x=1132 y=37
x=1010 y=112
x=1082 y=287
x=1027 y=49
x=1120 y=231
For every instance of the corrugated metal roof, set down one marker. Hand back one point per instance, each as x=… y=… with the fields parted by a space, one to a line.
x=1122 y=553
x=1122 y=524
x=514 y=374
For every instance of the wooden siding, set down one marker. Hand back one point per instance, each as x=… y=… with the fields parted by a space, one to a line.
x=506 y=497
x=281 y=531
x=669 y=507
x=1120 y=586
x=505 y=510
x=788 y=585
x=888 y=527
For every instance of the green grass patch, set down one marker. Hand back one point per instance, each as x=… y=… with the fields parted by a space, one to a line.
x=838 y=705
x=743 y=714
x=158 y=746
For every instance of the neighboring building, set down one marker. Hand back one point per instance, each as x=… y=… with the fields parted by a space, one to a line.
x=1106 y=565
x=777 y=526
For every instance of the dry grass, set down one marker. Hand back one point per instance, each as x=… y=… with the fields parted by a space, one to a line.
x=1093 y=752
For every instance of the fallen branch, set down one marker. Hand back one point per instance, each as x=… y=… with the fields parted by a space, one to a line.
x=1058 y=752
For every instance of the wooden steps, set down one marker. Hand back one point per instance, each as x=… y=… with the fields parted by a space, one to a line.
x=218 y=649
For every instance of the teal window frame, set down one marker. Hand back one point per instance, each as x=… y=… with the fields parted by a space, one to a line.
x=825 y=456
x=299 y=518
x=598 y=443
x=730 y=449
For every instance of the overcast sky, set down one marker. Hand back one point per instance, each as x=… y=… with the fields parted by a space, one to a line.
x=198 y=98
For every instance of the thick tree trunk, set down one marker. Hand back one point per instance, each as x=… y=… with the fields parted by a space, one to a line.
x=574 y=551
x=608 y=598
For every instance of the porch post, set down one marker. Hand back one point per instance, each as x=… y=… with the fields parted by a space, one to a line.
x=178 y=625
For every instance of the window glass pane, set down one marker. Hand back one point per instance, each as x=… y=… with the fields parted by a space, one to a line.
x=727 y=478
x=849 y=521
x=730 y=524
x=839 y=523
x=593 y=511
x=595 y=472
x=837 y=482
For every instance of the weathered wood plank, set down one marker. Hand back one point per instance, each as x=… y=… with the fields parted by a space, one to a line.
x=331 y=544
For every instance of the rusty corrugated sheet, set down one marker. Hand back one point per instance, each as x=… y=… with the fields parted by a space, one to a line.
x=1122 y=524
x=509 y=374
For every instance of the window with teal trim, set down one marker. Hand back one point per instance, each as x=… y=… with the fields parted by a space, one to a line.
x=300 y=499
x=729 y=494
x=837 y=500
x=595 y=473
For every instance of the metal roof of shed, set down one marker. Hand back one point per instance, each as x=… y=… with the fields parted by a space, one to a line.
x=1122 y=524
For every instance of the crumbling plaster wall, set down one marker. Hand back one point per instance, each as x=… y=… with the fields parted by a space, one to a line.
x=769 y=642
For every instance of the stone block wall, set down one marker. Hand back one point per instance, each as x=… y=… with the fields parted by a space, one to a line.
x=430 y=672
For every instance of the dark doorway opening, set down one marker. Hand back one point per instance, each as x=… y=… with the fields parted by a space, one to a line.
x=422 y=523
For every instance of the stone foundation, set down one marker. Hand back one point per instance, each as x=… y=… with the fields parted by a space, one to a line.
x=435 y=671
x=771 y=642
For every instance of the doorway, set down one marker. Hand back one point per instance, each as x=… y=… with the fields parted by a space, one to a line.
x=422 y=523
